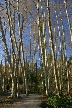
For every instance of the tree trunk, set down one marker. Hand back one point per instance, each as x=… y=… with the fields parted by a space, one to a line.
x=52 y=48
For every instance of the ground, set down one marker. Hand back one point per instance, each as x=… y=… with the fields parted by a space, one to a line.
x=31 y=101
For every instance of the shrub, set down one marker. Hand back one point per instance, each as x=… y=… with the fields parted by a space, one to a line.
x=64 y=102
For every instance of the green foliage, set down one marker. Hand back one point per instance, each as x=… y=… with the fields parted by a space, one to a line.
x=33 y=83
x=56 y=101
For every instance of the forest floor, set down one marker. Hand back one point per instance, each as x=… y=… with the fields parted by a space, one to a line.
x=31 y=101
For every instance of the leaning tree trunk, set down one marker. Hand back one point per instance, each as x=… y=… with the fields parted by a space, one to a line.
x=45 y=53
x=52 y=47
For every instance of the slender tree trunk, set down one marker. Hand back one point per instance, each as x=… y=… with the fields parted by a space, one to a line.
x=69 y=24
x=52 y=48
x=45 y=53
x=24 y=76
x=1 y=78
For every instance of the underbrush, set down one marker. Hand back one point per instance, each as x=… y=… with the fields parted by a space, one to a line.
x=59 y=102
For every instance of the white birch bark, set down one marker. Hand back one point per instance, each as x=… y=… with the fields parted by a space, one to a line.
x=52 y=47
x=69 y=24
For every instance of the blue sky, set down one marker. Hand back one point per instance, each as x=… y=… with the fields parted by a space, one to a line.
x=26 y=34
